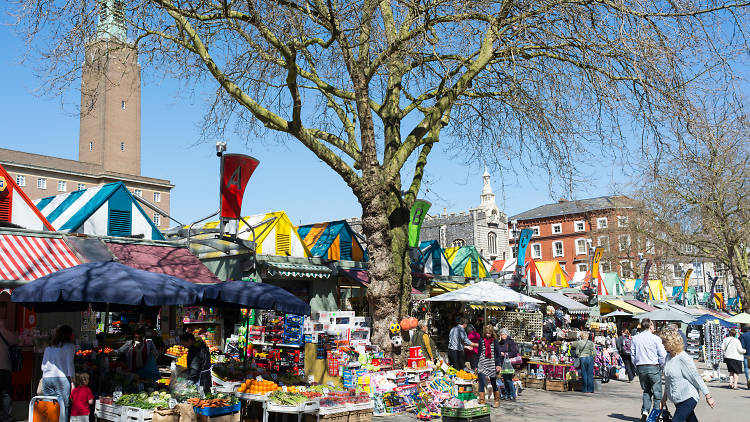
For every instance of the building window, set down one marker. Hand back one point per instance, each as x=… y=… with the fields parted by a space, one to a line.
x=122 y=104
x=41 y=183
x=604 y=267
x=625 y=269
x=81 y=186
x=122 y=146
x=603 y=241
x=557 y=249
x=581 y=248
x=157 y=198
x=21 y=180
x=91 y=146
x=556 y=228
x=492 y=243
x=582 y=268
x=62 y=186
x=678 y=273
x=622 y=221
x=157 y=219
x=601 y=223
x=138 y=193
x=624 y=242
x=536 y=251
x=456 y=243
x=580 y=226
x=535 y=231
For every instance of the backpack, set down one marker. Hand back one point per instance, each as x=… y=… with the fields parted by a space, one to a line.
x=14 y=355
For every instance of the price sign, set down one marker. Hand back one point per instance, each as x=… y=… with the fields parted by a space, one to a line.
x=283 y=388
x=172 y=403
x=259 y=378
x=325 y=391
x=116 y=395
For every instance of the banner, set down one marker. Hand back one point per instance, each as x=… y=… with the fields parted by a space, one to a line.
x=644 y=283
x=688 y=273
x=523 y=243
x=416 y=217
x=598 y=252
x=236 y=170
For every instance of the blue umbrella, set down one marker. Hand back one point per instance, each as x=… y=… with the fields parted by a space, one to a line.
x=248 y=294
x=106 y=286
x=707 y=317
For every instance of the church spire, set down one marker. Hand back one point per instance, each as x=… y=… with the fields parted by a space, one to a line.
x=111 y=23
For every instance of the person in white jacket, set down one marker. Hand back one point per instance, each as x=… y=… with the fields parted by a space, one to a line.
x=733 y=356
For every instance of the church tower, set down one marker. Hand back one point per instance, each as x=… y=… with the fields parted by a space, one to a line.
x=110 y=131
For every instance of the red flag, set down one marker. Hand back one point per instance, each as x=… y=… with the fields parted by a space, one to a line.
x=236 y=170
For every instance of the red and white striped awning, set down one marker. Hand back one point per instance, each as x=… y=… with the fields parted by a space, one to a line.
x=30 y=257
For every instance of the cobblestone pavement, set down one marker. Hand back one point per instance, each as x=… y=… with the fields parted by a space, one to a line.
x=617 y=401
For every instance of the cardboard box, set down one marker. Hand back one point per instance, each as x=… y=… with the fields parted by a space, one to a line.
x=232 y=417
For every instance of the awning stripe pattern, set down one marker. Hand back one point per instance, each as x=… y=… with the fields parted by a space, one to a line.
x=624 y=306
x=28 y=258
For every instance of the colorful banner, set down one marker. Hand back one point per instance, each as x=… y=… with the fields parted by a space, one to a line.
x=644 y=283
x=236 y=170
x=416 y=217
x=688 y=273
x=598 y=252
x=523 y=243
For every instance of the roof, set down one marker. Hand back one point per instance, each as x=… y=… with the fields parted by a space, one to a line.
x=46 y=162
x=26 y=257
x=624 y=306
x=68 y=211
x=23 y=212
x=462 y=259
x=332 y=240
x=645 y=306
x=571 y=305
x=174 y=261
x=575 y=207
x=433 y=259
x=548 y=271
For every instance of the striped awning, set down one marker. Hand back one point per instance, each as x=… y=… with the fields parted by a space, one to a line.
x=26 y=258
x=619 y=304
x=279 y=269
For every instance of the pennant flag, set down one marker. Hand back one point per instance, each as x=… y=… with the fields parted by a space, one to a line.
x=236 y=170
x=416 y=217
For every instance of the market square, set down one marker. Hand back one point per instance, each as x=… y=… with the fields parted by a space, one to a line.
x=450 y=211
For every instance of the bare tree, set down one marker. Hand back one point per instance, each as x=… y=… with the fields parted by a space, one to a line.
x=699 y=201
x=370 y=86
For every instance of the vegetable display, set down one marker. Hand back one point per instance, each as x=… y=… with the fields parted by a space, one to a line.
x=144 y=400
x=286 y=398
x=218 y=400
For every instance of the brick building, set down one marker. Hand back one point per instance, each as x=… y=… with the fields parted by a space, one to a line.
x=567 y=231
x=109 y=146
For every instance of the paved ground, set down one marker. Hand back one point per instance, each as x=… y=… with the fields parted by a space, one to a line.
x=617 y=401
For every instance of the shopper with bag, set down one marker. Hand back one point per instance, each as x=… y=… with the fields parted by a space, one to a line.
x=682 y=383
x=585 y=350
x=510 y=357
x=624 y=344
x=733 y=356
x=648 y=356
x=7 y=342
x=489 y=364
x=57 y=366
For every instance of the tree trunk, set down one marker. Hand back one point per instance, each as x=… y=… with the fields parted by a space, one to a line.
x=741 y=282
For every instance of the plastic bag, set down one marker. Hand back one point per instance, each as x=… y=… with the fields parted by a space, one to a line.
x=507 y=367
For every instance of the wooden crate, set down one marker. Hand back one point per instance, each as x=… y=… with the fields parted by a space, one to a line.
x=534 y=383
x=555 y=385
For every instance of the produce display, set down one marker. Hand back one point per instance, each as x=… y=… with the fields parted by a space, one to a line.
x=177 y=350
x=145 y=401
x=287 y=398
x=232 y=370
x=466 y=375
x=257 y=387
x=218 y=400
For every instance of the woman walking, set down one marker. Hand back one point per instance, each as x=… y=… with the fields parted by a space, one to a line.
x=585 y=351
x=682 y=383
x=472 y=355
x=57 y=366
x=488 y=364
x=624 y=344
x=733 y=356
x=508 y=350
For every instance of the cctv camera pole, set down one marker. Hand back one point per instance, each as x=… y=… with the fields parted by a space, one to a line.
x=220 y=148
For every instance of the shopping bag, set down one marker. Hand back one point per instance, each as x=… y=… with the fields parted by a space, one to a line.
x=654 y=416
x=166 y=415
x=507 y=367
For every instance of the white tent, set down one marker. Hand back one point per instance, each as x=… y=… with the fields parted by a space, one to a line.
x=484 y=292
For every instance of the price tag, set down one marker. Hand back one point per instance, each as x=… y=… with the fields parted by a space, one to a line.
x=116 y=395
x=283 y=388
x=325 y=391
x=330 y=384
x=172 y=403
x=259 y=378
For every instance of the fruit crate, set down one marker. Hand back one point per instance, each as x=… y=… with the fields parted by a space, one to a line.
x=555 y=385
x=463 y=413
x=108 y=412
x=534 y=383
x=360 y=416
x=134 y=414
x=217 y=411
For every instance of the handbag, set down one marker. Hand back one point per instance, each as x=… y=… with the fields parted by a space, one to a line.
x=507 y=368
x=14 y=355
x=516 y=360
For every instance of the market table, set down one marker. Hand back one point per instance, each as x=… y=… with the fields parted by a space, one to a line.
x=558 y=370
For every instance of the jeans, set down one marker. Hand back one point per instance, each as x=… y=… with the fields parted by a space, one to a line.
x=685 y=411
x=509 y=388
x=587 y=373
x=5 y=400
x=629 y=367
x=650 y=379
x=745 y=365
x=58 y=387
x=456 y=359
x=482 y=378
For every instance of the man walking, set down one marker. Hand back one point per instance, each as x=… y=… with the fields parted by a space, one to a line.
x=648 y=354
x=745 y=341
x=457 y=342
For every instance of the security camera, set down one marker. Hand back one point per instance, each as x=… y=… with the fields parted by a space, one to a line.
x=220 y=148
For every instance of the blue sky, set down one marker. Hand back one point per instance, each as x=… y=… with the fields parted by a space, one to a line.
x=289 y=177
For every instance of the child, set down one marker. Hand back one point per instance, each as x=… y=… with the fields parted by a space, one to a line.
x=81 y=399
